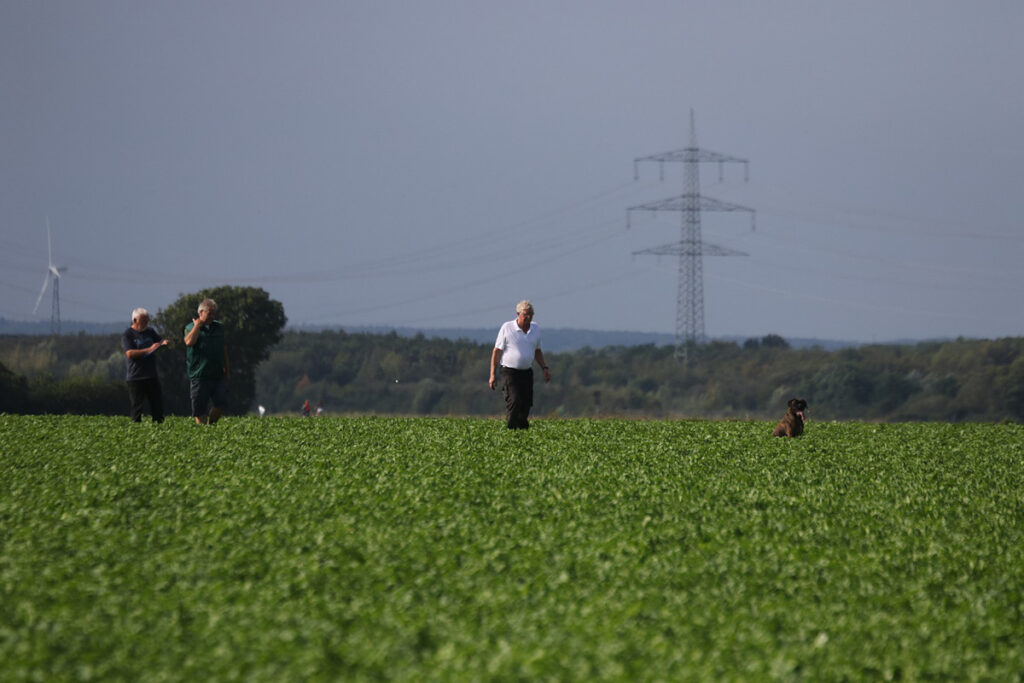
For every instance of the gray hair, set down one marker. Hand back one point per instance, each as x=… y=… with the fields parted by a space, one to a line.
x=138 y=313
x=524 y=305
x=208 y=305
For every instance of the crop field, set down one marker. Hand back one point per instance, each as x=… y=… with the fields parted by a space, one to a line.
x=451 y=549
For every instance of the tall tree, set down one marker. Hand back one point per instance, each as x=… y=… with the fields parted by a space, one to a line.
x=13 y=392
x=253 y=323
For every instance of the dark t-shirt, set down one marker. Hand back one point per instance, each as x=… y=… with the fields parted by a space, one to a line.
x=145 y=366
x=205 y=358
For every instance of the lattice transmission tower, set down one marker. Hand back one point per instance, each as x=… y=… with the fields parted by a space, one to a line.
x=690 y=249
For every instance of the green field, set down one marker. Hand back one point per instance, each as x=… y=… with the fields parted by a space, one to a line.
x=453 y=549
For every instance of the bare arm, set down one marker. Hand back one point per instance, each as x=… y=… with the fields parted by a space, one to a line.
x=139 y=353
x=538 y=356
x=495 y=358
x=193 y=336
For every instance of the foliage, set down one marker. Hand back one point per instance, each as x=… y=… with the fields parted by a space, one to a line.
x=13 y=391
x=374 y=373
x=36 y=357
x=956 y=381
x=363 y=373
x=253 y=323
x=452 y=549
x=771 y=341
x=78 y=395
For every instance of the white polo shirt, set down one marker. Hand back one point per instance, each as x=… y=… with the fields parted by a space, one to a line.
x=517 y=347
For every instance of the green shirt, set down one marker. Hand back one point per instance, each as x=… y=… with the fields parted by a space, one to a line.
x=206 y=357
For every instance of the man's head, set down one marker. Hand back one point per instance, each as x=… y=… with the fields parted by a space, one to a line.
x=524 y=315
x=140 y=319
x=210 y=306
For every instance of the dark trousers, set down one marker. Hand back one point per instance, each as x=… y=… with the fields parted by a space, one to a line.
x=141 y=390
x=517 y=385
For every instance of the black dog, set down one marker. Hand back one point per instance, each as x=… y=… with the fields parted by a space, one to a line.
x=793 y=423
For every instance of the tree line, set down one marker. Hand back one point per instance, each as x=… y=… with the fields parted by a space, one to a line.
x=84 y=373
x=962 y=380
x=363 y=373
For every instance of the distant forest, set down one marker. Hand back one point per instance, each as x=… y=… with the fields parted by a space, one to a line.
x=555 y=338
x=364 y=373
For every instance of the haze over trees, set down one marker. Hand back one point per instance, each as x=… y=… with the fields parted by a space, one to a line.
x=952 y=381
x=363 y=373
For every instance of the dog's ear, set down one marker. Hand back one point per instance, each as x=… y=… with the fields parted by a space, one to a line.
x=793 y=402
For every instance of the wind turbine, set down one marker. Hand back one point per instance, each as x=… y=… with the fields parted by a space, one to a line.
x=52 y=273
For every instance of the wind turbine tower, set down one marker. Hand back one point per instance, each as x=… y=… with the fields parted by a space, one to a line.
x=52 y=273
x=690 y=249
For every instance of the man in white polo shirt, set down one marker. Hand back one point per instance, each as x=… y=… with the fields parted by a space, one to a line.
x=517 y=346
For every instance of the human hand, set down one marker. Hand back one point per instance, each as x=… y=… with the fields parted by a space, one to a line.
x=492 y=383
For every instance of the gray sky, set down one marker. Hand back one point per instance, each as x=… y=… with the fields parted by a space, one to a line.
x=428 y=164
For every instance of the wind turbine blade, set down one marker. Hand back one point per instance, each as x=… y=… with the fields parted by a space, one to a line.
x=41 y=292
x=49 y=250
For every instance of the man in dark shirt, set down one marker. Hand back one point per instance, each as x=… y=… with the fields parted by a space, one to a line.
x=207 y=359
x=139 y=342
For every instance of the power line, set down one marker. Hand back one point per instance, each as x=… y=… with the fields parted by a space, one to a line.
x=690 y=249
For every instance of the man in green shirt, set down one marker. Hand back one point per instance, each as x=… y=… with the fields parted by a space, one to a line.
x=207 y=358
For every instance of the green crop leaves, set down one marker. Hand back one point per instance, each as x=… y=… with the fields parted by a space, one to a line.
x=387 y=548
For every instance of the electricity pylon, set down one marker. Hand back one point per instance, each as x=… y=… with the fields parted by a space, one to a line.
x=690 y=249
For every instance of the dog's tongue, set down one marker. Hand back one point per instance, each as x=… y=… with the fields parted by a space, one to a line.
x=801 y=414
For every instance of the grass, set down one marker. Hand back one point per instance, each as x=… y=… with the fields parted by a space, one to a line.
x=452 y=549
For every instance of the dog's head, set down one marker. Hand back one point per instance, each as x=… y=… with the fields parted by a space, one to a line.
x=797 y=406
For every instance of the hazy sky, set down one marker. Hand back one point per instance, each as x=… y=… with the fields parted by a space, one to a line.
x=428 y=164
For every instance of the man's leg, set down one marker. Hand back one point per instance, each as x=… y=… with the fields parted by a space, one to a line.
x=525 y=398
x=509 y=391
x=506 y=391
x=199 y=397
x=136 y=395
x=156 y=399
x=219 y=399
x=518 y=389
